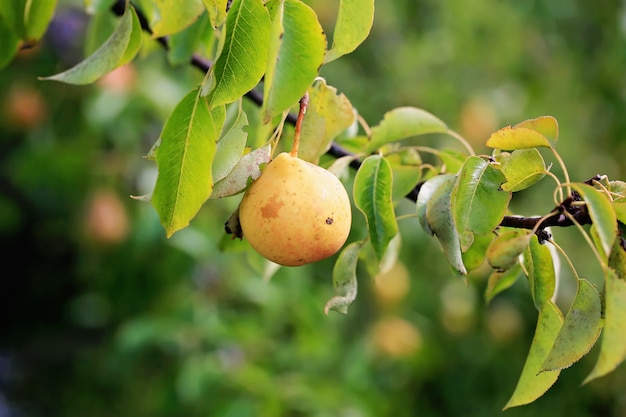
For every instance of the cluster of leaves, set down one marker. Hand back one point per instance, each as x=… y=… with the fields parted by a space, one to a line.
x=211 y=148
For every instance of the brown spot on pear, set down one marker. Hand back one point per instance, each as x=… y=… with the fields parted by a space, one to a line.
x=296 y=212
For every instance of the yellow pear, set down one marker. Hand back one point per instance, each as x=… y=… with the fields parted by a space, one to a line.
x=296 y=212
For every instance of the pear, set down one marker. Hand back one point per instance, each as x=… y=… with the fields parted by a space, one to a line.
x=296 y=212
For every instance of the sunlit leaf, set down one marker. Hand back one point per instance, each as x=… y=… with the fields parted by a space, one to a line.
x=533 y=383
x=295 y=56
x=511 y=138
x=372 y=196
x=613 y=344
x=404 y=122
x=175 y=15
x=119 y=48
x=522 y=168
x=184 y=159
x=327 y=115
x=539 y=265
x=353 y=24
x=602 y=214
x=242 y=62
x=505 y=250
x=344 y=279
x=247 y=170
x=546 y=125
x=441 y=221
x=580 y=330
x=478 y=204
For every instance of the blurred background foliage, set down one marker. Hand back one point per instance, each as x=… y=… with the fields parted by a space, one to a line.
x=103 y=316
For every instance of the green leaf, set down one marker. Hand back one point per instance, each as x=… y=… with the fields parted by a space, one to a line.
x=452 y=160
x=37 y=16
x=247 y=170
x=353 y=25
x=216 y=10
x=119 y=48
x=539 y=265
x=476 y=254
x=406 y=166
x=9 y=44
x=372 y=196
x=428 y=189
x=12 y=12
x=478 y=203
x=500 y=281
x=505 y=250
x=184 y=159
x=327 y=116
x=185 y=43
x=242 y=62
x=441 y=221
x=295 y=56
x=533 y=383
x=175 y=15
x=613 y=346
x=404 y=122
x=517 y=137
x=344 y=278
x=231 y=145
x=522 y=168
x=580 y=330
x=28 y=20
x=602 y=214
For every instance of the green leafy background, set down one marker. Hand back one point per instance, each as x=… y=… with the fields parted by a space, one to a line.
x=104 y=316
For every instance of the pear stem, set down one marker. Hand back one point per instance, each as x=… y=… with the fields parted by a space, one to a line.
x=304 y=103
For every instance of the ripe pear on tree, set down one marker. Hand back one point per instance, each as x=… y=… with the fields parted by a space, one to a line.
x=296 y=212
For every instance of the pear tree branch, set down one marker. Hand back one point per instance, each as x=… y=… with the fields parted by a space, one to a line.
x=578 y=213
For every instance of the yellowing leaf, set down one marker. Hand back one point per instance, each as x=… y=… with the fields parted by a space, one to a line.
x=522 y=168
x=328 y=114
x=511 y=138
x=546 y=125
x=216 y=10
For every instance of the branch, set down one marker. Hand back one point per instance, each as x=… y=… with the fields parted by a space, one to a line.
x=578 y=212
